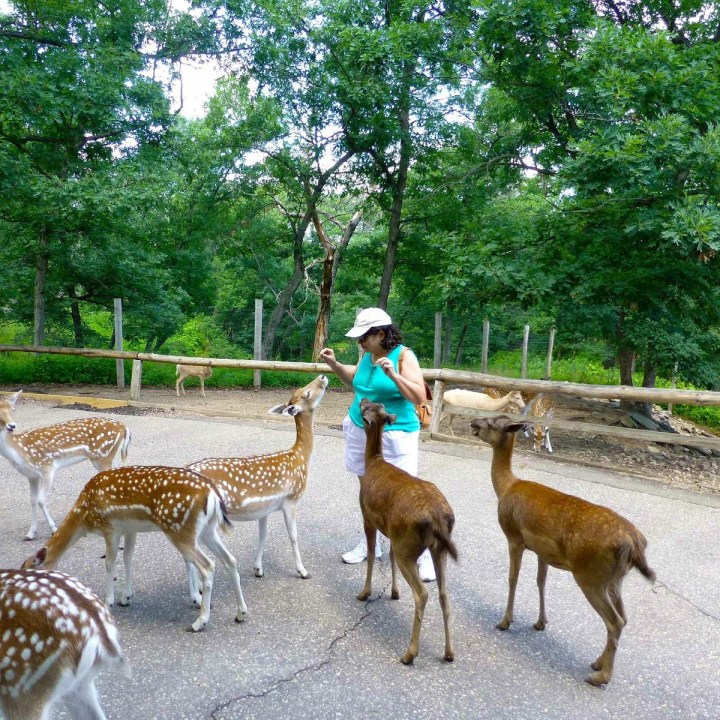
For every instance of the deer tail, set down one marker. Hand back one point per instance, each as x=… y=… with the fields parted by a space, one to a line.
x=125 y=444
x=438 y=534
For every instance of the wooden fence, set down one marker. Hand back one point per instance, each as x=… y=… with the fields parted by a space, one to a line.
x=441 y=377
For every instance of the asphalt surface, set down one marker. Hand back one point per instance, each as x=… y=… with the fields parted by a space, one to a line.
x=309 y=649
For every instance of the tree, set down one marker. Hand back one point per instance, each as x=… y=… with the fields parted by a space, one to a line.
x=76 y=95
x=615 y=104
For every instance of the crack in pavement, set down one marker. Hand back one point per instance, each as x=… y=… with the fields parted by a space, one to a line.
x=678 y=594
x=315 y=667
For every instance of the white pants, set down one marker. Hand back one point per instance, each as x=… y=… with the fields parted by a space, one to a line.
x=399 y=448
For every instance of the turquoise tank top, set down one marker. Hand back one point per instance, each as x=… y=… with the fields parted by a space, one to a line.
x=372 y=383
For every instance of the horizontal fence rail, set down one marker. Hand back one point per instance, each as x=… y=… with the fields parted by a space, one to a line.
x=442 y=377
x=460 y=377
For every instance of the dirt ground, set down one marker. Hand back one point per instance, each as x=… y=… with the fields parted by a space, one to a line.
x=674 y=465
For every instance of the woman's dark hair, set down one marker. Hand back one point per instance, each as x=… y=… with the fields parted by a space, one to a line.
x=392 y=337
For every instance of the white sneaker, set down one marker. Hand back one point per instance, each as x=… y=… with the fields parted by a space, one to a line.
x=426 y=567
x=360 y=551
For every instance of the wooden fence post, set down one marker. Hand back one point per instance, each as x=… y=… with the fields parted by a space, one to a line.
x=523 y=366
x=119 y=363
x=136 y=380
x=548 y=362
x=257 y=349
x=485 y=344
x=437 y=353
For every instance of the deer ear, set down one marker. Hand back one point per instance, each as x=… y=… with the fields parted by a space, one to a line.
x=277 y=409
x=12 y=399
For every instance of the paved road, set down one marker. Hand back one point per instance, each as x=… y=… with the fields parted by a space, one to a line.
x=309 y=649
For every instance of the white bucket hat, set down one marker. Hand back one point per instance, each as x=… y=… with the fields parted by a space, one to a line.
x=367 y=319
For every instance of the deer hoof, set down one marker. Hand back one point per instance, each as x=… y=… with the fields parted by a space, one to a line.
x=407 y=658
x=197 y=626
x=503 y=624
x=597 y=679
x=364 y=595
x=450 y=657
x=240 y=618
x=305 y=575
x=540 y=625
x=258 y=572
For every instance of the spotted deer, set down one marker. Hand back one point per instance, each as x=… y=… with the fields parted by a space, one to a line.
x=539 y=406
x=183 y=372
x=256 y=486
x=176 y=501
x=55 y=636
x=38 y=453
x=598 y=546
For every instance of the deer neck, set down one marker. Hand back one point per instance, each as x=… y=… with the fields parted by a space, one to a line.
x=304 y=437
x=501 y=467
x=373 y=442
x=10 y=449
x=70 y=531
x=498 y=403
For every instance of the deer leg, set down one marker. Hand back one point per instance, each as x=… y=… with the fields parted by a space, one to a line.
x=34 y=493
x=546 y=440
x=128 y=551
x=440 y=563
x=262 y=531
x=394 y=593
x=202 y=386
x=601 y=602
x=371 y=537
x=112 y=544
x=516 y=553
x=290 y=515
x=193 y=583
x=409 y=569
x=206 y=568
x=541 y=578
x=83 y=703
x=45 y=485
x=212 y=540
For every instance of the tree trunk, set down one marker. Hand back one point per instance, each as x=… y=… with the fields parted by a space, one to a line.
x=323 y=317
x=76 y=320
x=649 y=377
x=447 y=341
x=41 y=269
x=626 y=361
x=285 y=297
x=461 y=340
x=398 y=197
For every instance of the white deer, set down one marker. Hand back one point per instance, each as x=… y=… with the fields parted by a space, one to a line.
x=38 y=453
x=254 y=487
x=479 y=401
x=176 y=501
x=183 y=372
x=55 y=636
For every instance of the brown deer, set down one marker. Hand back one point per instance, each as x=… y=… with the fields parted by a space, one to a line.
x=414 y=515
x=256 y=486
x=55 y=636
x=38 y=453
x=183 y=372
x=176 y=501
x=598 y=546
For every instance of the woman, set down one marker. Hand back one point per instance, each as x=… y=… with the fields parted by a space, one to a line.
x=389 y=373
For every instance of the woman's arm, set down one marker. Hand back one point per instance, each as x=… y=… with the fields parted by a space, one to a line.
x=345 y=373
x=410 y=380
